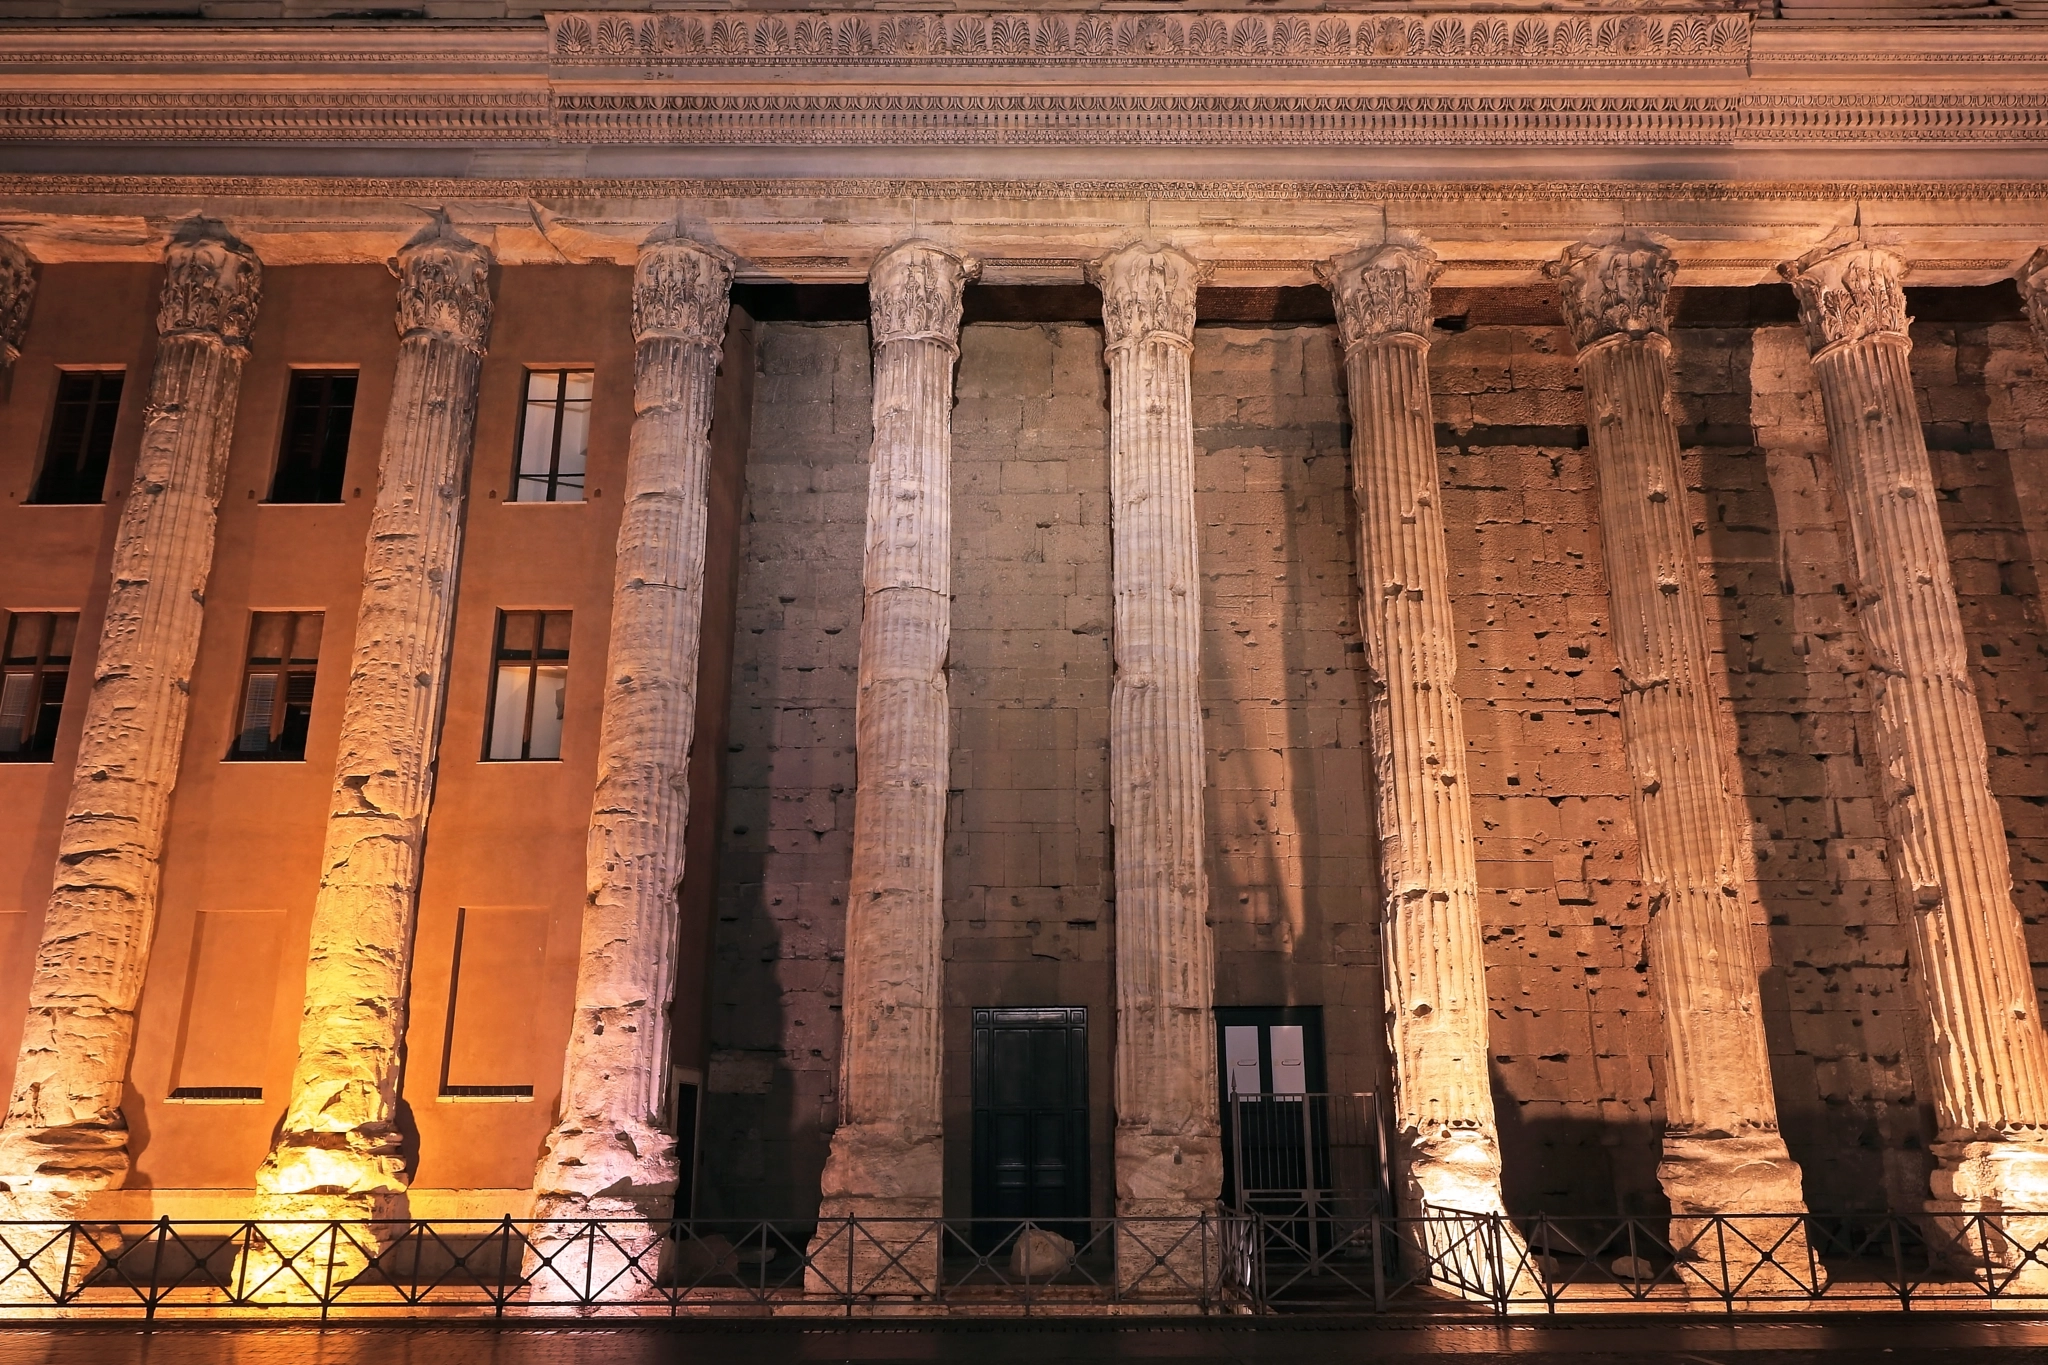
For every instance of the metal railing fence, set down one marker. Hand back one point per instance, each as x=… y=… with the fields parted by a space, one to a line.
x=1217 y=1263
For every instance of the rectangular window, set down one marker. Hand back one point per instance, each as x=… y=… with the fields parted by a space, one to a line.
x=554 y=436
x=37 y=663
x=277 y=686
x=81 y=438
x=532 y=681
x=317 y=415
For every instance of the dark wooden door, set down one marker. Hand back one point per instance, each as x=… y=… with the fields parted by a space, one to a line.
x=1030 y=1116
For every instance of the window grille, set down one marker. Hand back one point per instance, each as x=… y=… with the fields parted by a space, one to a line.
x=554 y=436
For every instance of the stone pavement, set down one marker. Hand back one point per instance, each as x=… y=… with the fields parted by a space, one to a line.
x=1864 y=1341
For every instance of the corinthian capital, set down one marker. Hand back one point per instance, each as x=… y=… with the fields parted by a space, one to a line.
x=1381 y=291
x=2033 y=282
x=1148 y=291
x=212 y=284
x=17 y=296
x=1847 y=293
x=1620 y=288
x=444 y=287
x=914 y=293
x=681 y=289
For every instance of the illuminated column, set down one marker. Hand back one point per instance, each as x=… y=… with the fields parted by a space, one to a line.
x=1988 y=1055
x=1448 y=1150
x=609 y=1155
x=887 y=1154
x=64 y=1134
x=1722 y=1150
x=1168 y=1153
x=336 y=1153
x=17 y=296
x=2033 y=282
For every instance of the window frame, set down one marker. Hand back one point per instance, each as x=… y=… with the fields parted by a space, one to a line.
x=99 y=375
x=284 y=670
x=39 y=670
x=297 y=375
x=536 y=659
x=554 y=477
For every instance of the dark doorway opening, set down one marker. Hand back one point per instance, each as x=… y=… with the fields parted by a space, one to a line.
x=1272 y=1064
x=1030 y=1121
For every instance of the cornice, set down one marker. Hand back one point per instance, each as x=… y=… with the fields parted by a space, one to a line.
x=1662 y=38
x=176 y=189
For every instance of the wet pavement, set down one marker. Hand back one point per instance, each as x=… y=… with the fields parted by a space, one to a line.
x=1863 y=1341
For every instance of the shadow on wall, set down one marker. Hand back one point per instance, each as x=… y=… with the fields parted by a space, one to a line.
x=1555 y=1157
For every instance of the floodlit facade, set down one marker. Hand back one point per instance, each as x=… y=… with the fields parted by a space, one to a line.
x=937 y=613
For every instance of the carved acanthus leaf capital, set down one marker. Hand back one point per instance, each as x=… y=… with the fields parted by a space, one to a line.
x=1848 y=293
x=1381 y=291
x=681 y=289
x=914 y=293
x=1148 y=291
x=212 y=284
x=2033 y=282
x=17 y=297
x=1620 y=288
x=444 y=287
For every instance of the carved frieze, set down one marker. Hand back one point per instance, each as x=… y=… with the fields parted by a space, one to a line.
x=1630 y=39
x=681 y=289
x=444 y=287
x=1381 y=291
x=17 y=297
x=1847 y=293
x=2033 y=282
x=212 y=283
x=1148 y=292
x=914 y=294
x=1619 y=288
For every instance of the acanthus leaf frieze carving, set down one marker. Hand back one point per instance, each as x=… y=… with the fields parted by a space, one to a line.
x=681 y=289
x=1671 y=38
x=914 y=294
x=17 y=298
x=1847 y=293
x=212 y=284
x=1381 y=291
x=1619 y=288
x=444 y=287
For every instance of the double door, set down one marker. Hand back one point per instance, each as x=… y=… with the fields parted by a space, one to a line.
x=1030 y=1120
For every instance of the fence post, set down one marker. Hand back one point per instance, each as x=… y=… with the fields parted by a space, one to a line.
x=1379 y=1267
x=156 y=1261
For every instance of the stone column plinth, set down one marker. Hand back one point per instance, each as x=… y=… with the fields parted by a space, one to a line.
x=1446 y=1147
x=64 y=1135
x=336 y=1153
x=1988 y=1055
x=17 y=298
x=610 y=1154
x=1169 y=1160
x=887 y=1155
x=1722 y=1150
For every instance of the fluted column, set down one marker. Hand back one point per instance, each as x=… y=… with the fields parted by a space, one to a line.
x=1722 y=1149
x=1447 y=1151
x=64 y=1133
x=1989 y=1058
x=887 y=1154
x=1168 y=1153
x=2033 y=283
x=609 y=1155
x=17 y=297
x=336 y=1153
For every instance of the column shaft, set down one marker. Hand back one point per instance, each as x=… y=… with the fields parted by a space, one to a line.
x=887 y=1155
x=1722 y=1150
x=17 y=298
x=1168 y=1149
x=337 y=1150
x=1433 y=955
x=64 y=1132
x=609 y=1155
x=1989 y=1057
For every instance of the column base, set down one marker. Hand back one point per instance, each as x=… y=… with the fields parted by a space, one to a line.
x=603 y=1204
x=1175 y=1251
x=1989 y=1212
x=306 y=1248
x=878 y=1217
x=1738 y=1223
x=1450 y=1187
x=51 y=1174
